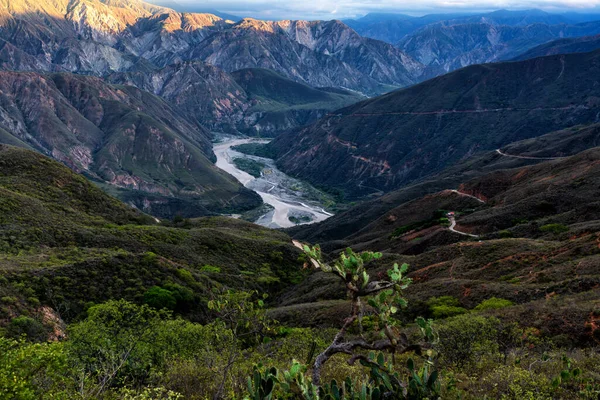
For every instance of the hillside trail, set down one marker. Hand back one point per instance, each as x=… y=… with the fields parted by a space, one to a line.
x=453 y=224
x=528 y=157
x=452 y=219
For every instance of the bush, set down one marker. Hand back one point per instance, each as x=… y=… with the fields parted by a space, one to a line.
x=505 y=234
x=29 y=327
x=32 y=371
x=466 y=338
x=493 y=304
x=554 y=228
x=444 y=307
x=160 y=298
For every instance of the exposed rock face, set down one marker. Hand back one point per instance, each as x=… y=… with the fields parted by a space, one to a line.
x=201 y=91
x=122 y=136
x=404 y=136
x=252 y=101
x=101 y=37
x=321 y=53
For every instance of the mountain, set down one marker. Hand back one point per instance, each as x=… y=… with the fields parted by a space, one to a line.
x=99 y=38
x=251 y=101
x=120 y=136
x=277 y=103
x=538 y=230
x=390 y=141
x=517 y=18
x=562 y=46
x=320 y=53
x=369 y=220
x=191 y=8
x=392 y=28
x=448 y=46
x=448 y=42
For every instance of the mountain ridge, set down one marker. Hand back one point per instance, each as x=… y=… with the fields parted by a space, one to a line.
x=374 y=143
x=129 y=139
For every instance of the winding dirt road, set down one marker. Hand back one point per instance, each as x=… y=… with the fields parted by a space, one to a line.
x=453 y=224
x=472 y=111
x=452 y=219
x=528 y=157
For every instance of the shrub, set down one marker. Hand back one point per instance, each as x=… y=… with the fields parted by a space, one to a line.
x=554 y=228
x=493 y=304
x=444 y=307
x=385 y=300
x=466 y=338
x=31 y=371
x=160 y=298
x=26 y=326
x=442 y=312
x=505 y=234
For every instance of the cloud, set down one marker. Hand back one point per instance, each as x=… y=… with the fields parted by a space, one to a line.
x=327 y=9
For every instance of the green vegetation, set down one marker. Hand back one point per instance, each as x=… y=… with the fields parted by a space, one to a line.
x=122 y=350
x=493 y=304
x=300 y=220
x=65 y=244
x=255 y=149
x=444 y=307
x=250 y=166
x=99 y=301
x=554 y=228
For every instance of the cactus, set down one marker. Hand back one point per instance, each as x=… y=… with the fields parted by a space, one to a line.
x=261 y=383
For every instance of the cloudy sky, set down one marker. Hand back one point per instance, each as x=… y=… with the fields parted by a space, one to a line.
x=334 y=9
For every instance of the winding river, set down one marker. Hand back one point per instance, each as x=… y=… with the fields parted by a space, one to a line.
x=276 y=188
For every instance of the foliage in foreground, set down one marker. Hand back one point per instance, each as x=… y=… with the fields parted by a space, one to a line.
x=122 y=350
x=375 y=349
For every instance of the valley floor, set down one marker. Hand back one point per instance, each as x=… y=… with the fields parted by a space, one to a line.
x=283 y=193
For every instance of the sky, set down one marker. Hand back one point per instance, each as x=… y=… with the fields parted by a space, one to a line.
x=339 y=9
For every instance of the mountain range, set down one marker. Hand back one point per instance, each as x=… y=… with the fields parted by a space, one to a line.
x=96 y=37
x=445 y=42
x=404 y=136
x=141 y=88
x=391 y=28
x=127 y=269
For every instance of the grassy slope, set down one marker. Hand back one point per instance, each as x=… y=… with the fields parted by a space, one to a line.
x=551 y=276
x=65 y=243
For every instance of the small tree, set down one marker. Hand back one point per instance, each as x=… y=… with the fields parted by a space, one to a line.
x=384 y=298
x=244 y=317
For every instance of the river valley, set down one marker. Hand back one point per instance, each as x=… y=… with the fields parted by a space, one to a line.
x=288 y=197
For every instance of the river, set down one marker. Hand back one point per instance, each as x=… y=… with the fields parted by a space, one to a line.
x=277 y=189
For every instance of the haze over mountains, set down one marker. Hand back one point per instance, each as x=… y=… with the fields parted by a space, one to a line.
x=447 y=42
